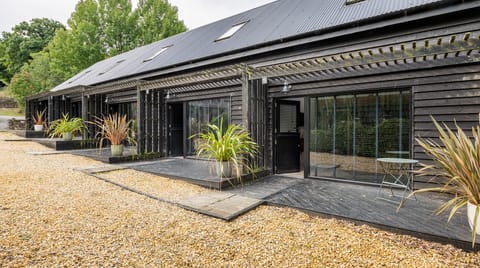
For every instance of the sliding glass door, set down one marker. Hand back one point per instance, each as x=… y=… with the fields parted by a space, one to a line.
x=348 y=133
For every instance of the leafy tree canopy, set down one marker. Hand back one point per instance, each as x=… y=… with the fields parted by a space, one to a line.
x=98 y=29
x=24 y=39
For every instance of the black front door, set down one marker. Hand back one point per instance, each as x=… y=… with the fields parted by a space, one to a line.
x=287 y=139
x=175 y=129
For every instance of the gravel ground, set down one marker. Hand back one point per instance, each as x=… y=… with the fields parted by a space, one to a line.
x=53 y=215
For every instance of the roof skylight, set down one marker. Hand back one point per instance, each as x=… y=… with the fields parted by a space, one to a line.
x=163 y=49
x=78 y=77
x=231 y=31
x=111 y=67
x=349 y=2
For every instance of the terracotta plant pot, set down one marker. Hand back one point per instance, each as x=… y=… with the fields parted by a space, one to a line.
x=223 y=169
x=117 y=150
x=67 y=136
x=471 y=217
x=38 y=127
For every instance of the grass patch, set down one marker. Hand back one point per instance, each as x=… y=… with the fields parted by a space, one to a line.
x=4 y=92
x=11 y=112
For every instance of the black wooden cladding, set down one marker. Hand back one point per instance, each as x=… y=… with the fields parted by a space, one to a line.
x=448 y=94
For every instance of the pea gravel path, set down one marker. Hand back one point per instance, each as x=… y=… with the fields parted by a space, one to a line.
x=52 y=214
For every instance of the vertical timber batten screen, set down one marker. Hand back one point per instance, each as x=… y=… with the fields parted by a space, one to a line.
x=257 y=114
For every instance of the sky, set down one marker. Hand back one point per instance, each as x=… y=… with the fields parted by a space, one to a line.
x=194 y=13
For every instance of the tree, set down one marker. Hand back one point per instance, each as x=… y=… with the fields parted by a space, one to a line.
x=118 y=24
x=34 y=77
x=22 y=85
x=157 y=19
x=26 y=38
x=3 y=69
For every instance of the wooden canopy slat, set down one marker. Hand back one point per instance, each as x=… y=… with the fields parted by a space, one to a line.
x=393 y=54
x=193 y=78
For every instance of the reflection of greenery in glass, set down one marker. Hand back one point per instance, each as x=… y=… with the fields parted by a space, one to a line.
x=348 y=132
x=344 y=125
x=204 y=112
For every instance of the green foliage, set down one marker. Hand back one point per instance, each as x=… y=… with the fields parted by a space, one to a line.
x=105 y=28
x=114 y=128
x=118 y=26
x=233 y=145
x=35 y=77
x=24 y=39
x=66 y=125
x=457 y=159
x=98 y=29
x=23 y=85
x=79 y=47
x=157 y=19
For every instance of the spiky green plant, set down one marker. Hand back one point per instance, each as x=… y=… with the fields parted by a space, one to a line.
x=66 y=125
x=457 y=159
x=233 y=145
x=114 y=128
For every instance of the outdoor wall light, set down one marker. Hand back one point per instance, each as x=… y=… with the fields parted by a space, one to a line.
x=106 y=99
x=286 y=87
x=63 y=97
x=147 y=92
x=168 y=96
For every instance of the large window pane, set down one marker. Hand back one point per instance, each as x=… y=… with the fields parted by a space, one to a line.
x=344 y=129
x=349 y=132
x=389 y=125
x=365 y=137
x=203 y=112
x=322 y=160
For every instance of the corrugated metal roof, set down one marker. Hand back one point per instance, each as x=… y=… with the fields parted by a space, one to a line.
x=266 y=24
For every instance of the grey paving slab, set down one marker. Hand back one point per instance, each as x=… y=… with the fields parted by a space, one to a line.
x=359 y=202
x=45 y=152
x=191 y=170
x=220 y=205
x=262 y=188
x=102 y=169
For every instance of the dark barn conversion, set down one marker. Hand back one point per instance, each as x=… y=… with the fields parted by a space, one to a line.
x=324 y=87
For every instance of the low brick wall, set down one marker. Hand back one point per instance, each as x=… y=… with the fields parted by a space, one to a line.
x=15 y=124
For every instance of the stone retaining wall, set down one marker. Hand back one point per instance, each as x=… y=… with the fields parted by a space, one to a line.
x=15 y=124
x=8 y=103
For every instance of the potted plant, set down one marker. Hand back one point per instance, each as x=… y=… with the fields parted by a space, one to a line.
x=116 y=129
x=456 y=159
x=38 y=121
x=231 y=148
x=66 y=127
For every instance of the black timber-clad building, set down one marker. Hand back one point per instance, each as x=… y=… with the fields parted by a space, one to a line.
x=324 y=87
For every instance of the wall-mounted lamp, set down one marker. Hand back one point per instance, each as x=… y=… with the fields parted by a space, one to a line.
x=264 y=80
x=169 y=96
x=106 y=99
x=286 y=87
x=148 y=91
x=63 y=97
